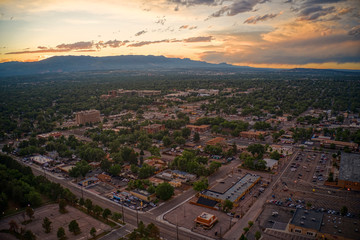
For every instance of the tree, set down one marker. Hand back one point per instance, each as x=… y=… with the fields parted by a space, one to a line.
x=88 y=205
x=115 y=169
x=97 y=210
x=29 y=212
x=61 y=233
x=166 y=141
x=13 y=227
x=155 y=151
x=62 y=205
x=344 y=210
x=256 y=149
x=81 y=169
x=180 y=140
x=74 y=227
x=29 y=235
x=151 y=189
x=46 y=225
x=164 y=191
x=93 y=232
x=196 y=137
x=146 y=171
x=105 y=164
x=201 y=185
x=257 y=235
x=34 y=198
x=227 y=205
x=242 y=237
x=81 y=201
x=116 y=216
x=106 y=213
x=214 y=166
x=185 y=132
x=275 y=155
x=251 y=223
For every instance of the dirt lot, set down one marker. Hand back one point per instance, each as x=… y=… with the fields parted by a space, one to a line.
x=185 y=215
x=58 y=220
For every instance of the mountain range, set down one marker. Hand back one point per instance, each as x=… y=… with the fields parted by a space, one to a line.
x=67 y=64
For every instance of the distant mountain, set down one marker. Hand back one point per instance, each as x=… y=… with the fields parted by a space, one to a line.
x=65 y=64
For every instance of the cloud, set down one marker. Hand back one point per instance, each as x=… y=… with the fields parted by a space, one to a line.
x=187 y=27
x=143 y=43
x=237 y=7
x=76 y=46
x=198 y=39
x=140 y=33
x=254 y=20
x=186 y=40
x=315 y=12
x=355 y=31
x=196 y=2
x=161 y=21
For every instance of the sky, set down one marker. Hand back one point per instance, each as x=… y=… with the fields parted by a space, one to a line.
x=257 y=33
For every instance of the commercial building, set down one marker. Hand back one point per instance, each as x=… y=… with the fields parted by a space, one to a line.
x=233 y=193
x=206 y=220
x=252 y=134
x=154 y=128
x=339 y=145
x=88 y=181
x=199 y=129
x=89 y=116
x=143 y=195
x=349 y=173
x=41 y=160
x=306 y=222
x=271 y=163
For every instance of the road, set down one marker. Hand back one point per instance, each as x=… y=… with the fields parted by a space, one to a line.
x=251 y=215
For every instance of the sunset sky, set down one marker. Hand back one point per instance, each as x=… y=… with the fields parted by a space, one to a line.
x=258 y=33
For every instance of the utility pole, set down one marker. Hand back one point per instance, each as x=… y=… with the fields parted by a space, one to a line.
x=122 y=208
x=137 y=217
x=177 y=229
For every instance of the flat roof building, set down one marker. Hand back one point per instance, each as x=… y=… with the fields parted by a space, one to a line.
x=235 y=191
x=206 y=220
x=349 y=173
x=89 y=116
x=306 y=222
x=41 y=160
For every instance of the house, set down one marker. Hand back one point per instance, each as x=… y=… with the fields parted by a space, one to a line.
x=41 y=160
x=271 y=163
x=104 y=177
x=306 y=222
x=155 y=181
x=206 y=220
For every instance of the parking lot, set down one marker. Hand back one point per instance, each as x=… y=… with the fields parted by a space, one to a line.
x=302 y=185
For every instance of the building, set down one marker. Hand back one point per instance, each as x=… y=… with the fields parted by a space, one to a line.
x=271 y=163
x=306 y=222
x=89 y=116
x=104 y=177
x=234 y=192
x=283 y=150
x=252 y=134
x=206 y=220
x=215 y=141
x=175 y=183
x=158 y=164
x=143 y=195
x=349 y=173
x=41 y=160
x=52 y=134
x=199 y=129
x=155 y=181
x=154 y=128
x=88 y=181
x=339 y=145
x=170 y=175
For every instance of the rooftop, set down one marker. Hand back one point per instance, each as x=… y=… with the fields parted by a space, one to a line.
x=350 y=167
x=206 y=216
x=307 y=219
x=236 y=190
